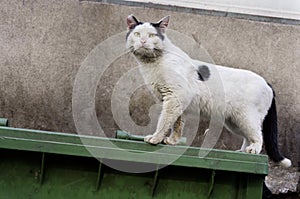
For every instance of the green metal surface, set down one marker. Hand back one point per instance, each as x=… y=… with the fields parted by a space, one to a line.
x=40 y=164
x=71 y=144
x=127 y=136
x=3 y=122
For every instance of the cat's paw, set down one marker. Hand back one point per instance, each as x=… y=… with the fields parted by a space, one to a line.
x=171 y=141
x=153 y=139
x=251 y=149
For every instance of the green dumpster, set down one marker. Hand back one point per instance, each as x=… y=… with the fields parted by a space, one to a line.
x=42 y=165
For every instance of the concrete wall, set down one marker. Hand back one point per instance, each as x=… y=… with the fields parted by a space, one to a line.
x=43 y=44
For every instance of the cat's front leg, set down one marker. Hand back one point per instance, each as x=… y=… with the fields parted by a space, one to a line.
x=175 y=136
x=244 y=145
x=171 y=110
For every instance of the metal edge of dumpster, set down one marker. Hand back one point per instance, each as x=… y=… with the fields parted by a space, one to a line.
x=211 y=176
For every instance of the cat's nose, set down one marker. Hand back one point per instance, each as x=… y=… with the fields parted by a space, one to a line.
x=143 y=41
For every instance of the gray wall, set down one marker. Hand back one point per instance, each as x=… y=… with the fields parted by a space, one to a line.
x=43 y=44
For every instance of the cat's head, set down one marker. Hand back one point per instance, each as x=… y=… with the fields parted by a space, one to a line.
x=146 y=40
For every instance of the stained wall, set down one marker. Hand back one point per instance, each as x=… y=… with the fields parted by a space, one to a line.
x=44 y=43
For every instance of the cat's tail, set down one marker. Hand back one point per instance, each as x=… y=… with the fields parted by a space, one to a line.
x=270 y=132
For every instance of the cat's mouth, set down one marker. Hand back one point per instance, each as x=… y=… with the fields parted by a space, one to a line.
x=143 y=50
x=147 y=54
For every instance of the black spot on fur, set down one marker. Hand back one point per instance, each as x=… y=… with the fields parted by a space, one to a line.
x=159 y=32
x=128 y=33
x=203 y=72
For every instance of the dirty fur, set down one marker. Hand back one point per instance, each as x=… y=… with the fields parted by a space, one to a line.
x=182 y=85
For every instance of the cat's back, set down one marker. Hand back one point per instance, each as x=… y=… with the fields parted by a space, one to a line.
x=238 y=83
x=232 y=75
x=241 y=77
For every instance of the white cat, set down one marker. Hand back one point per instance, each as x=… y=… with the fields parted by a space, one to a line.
x=181 y=82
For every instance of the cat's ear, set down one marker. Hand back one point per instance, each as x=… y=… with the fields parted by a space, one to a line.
x=132 y=22
x=163 y=23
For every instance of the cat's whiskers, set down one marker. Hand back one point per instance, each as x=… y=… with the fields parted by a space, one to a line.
x=131 y=49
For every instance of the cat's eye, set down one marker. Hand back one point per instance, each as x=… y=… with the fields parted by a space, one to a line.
x=137 y=34
x=151 y=35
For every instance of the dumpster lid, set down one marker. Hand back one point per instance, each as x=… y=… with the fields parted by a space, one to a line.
x=128 y=150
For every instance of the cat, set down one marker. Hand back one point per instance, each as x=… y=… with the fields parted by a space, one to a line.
x=180 y=81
